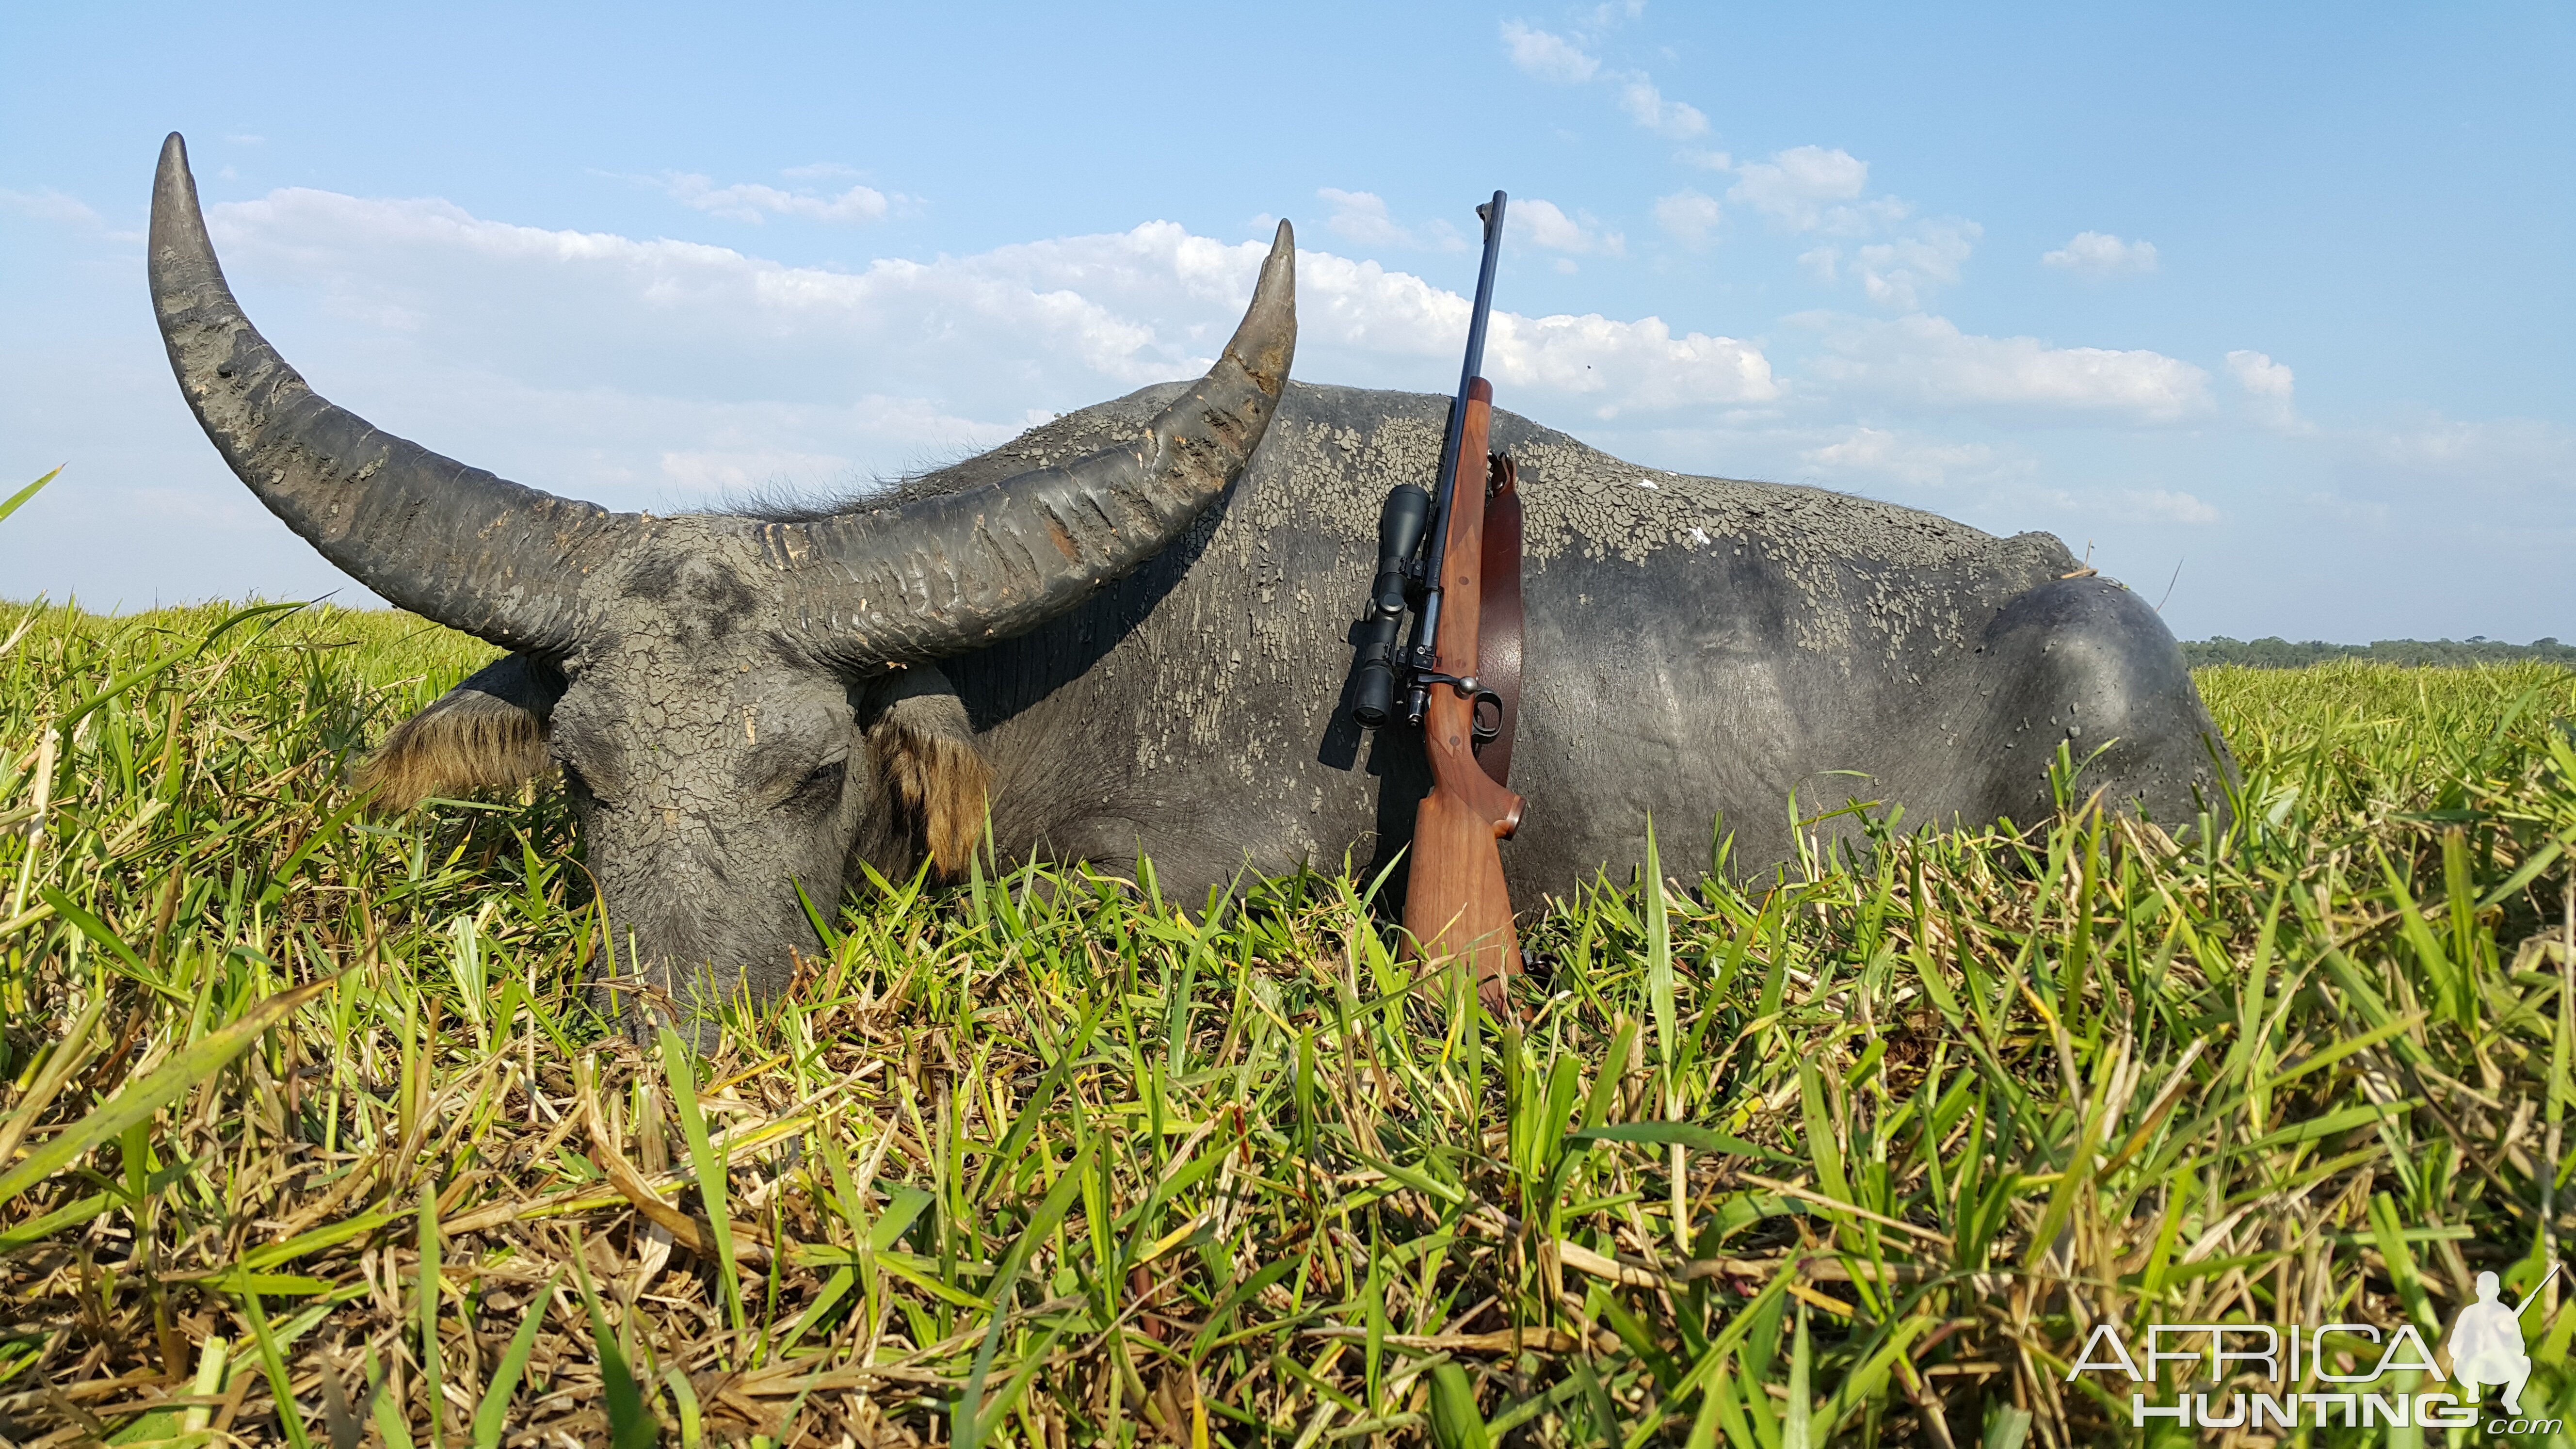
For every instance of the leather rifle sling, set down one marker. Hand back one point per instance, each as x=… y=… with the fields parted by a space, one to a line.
x=1498 y=628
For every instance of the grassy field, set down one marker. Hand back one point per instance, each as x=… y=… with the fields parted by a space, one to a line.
x=306 y=1135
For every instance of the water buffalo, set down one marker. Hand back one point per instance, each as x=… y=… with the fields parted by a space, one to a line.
x=1123 y=634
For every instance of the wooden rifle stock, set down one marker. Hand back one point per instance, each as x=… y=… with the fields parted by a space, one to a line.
x=1455 y=906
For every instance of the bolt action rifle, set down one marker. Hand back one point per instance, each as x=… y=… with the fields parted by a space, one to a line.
x=1430 y=557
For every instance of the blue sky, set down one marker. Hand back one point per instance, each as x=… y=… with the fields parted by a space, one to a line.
x=2278 y=296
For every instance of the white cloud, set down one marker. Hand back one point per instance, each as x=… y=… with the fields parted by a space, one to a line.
x=1555 y=58
x=2527 y=458
x=1690 y=217
x=610 y=366
x=1361 y=317
x=1545 y=225
x=2354 y=513
x=2267 y=386
x=1899 y=273
x=2260 y=376
x=1706 y=160
x=1879 y=453
x=2100 y=254
x=1548 y=56
x=49 y=205
x=1825 y=191
x=2162 y=505
x=701 y=472
x=752 y=202
x=1928 y=362
x=1362 y=217
x=1793 y=187
x=1046 y=321
x=1618 y=368
x=1645 y=105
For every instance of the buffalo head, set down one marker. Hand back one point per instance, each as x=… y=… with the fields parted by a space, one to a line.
x=737 y=704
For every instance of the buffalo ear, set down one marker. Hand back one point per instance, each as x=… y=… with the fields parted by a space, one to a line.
x=489 y=730
x=934 y=782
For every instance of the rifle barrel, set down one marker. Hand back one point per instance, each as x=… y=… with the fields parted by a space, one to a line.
x=1492 y=214
x=1427 y=619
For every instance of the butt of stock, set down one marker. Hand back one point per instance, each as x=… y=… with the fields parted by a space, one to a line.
x=1456 y=905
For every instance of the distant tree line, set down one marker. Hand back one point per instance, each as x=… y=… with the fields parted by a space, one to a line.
x=2278 y=653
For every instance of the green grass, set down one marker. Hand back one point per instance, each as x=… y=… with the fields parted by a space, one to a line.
x=1857 y=1154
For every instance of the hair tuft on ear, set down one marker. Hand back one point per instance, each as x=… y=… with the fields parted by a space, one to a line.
x=941 y=786
x=936 y=782
x=488 y=731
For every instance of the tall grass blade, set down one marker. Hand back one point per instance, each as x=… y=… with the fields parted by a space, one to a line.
x=425 y=1312
x=973 y=1421
x=290 y=1416
x=138 y=1100
x=1659 y=956
x=630 y=1424
x=382 y=1409
x=1455 y=1421
x=18 y=499
x=492 y=1416
x=679 y=1068
x=1795 y=1426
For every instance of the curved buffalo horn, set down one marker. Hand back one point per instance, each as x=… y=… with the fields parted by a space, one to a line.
x=941 y=575
x=446 y=541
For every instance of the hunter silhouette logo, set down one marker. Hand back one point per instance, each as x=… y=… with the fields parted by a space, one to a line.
x=2327 y=1370
x=2486 y=1344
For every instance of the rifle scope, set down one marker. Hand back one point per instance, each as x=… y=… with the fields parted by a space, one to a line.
x=1399 y=533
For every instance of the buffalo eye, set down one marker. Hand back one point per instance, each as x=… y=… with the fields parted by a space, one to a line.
x=820 y=788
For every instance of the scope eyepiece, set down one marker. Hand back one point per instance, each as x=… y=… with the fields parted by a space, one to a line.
x=1373 y=691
